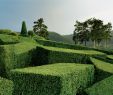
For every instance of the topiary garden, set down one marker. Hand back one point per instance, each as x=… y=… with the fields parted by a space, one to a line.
x=35 y=66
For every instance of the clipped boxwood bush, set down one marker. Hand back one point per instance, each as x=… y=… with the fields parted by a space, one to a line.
x=61 y=45
x=6 y=87
x=8 y=39
x=15 y=56
x=107 y=58
x=47 y=55
x=107 y=51
x=55 y=79
x=103 y=69
x=13 y=33
x=104 y=87
x=5 y=31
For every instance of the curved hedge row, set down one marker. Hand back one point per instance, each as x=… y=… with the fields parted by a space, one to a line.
x=6 y=87
x=103 y=69
x=55 y=79
x=61 y=45
x=8 y=39
x=47 y=55
x=104 y=87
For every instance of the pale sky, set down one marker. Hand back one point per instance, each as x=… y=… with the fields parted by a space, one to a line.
x=59 y=15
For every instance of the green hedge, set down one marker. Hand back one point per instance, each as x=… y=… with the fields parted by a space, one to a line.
x=110 y=57
x=6 y=87
x=5 y=31
x=107 y=58
x=47 y=55
x=107 y=51
x=61 y=45
x=15 y=56
x=103 y=69
x=8 y=39
x=104 y=87
x=55 y=79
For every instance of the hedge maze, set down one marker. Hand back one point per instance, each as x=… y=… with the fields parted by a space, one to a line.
x=34 y=66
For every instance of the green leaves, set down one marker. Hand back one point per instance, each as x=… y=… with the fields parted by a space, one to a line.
x=40 y=28
x=89 y=29
x=23 y=29
x=55 y=79
x=6 y=87
x=104 y=87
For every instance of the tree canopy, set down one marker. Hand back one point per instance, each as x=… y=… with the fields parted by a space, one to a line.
x=40 y=28
x=92 y=29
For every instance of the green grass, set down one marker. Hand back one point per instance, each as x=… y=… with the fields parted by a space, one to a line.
x=104 y=87
x=55 y=79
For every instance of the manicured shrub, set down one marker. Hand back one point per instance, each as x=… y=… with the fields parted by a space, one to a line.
x=6 y=87
x=47 y=55
x=61 y=45
x=5 y=31
x=110 y=56
x=69 y=46
x=103 y=69
x=106 y=58
x=8 y=39
x=104 y=87
x=30 y=33
x=24 y=29
x=55 y=79
x=107 y=51
x=13 y=33
x=15 y=56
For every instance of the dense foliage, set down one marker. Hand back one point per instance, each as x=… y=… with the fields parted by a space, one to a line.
x=15 y=56
x=104 y=87
x=40 y=28
x=24 y=29
x=88 y=30
x=103 y=69
x=48 y=55
x=6 y=87
x=65 y=78
x=61 y=45
x=56 y=79
x=30 y=33
x=8 y=39
x=5 y=31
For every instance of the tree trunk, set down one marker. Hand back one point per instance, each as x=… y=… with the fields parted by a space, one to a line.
x=106 y=43
x=85 y=43
x=94 y=43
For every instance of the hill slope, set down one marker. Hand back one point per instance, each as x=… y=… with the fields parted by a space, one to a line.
x=59 y=38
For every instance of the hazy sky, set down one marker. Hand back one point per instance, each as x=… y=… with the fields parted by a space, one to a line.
x=59 y=15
